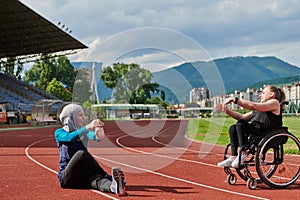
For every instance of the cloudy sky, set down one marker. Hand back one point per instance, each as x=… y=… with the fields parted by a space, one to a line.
x=159 y=34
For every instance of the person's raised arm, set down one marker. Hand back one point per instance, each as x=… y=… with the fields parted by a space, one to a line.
x=235 y=115
x=93 y=124
x=270 y=105
x=63 y=136
x=96 y=130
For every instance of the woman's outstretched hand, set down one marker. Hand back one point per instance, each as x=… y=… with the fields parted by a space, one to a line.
x=100 y=132
x=222 y=107
x=96 y=123
x=219 y=108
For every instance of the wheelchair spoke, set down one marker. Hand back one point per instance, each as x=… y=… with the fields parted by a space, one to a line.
x=278 y=160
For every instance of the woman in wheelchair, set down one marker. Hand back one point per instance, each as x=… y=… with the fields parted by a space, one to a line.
x=266 y=115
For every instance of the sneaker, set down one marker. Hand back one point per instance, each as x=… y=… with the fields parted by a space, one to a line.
x=118 y=183
x=109 y=177
x=235 y=163
x=227 y=162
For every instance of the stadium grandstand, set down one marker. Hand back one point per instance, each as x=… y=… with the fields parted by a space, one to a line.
x=27 y=35
x=20 y=93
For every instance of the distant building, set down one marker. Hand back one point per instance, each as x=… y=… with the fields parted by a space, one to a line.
x=292 y=94
x=288 y=91
x=292 y=91
x=197 y=95
x=250 y=94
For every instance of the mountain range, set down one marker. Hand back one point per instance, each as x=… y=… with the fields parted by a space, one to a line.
x=219 y=76
x=222 y=75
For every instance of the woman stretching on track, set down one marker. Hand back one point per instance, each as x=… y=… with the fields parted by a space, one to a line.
x=266 y=115
x=77 y=167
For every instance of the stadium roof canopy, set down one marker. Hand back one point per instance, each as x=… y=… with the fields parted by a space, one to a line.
x=24 y=32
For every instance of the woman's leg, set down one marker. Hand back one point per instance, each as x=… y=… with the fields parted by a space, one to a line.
x=241 y=132
x=244 y=129
x=80 y=169
x=92 y=166
x=73 y=175
x=100 y=183
x=234 y=147
x=233 y=140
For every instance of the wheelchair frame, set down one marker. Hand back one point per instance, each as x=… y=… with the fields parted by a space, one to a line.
x=267 y=156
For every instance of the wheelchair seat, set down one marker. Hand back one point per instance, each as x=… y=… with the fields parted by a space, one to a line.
x=254 y=139
x=278 y=140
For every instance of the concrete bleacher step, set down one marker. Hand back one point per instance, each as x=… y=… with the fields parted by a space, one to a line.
x=20 y=92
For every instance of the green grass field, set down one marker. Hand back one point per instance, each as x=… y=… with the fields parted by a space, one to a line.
x=215 y=129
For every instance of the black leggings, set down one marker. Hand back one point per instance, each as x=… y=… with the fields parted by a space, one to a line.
x=83 y=171
x=239 y=133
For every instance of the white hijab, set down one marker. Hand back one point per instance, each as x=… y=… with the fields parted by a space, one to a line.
x=68 y=117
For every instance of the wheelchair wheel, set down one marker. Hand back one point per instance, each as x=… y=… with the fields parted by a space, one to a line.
x=252 y=183
x=231 y=178
x=241 y=174
x=246 y=174
x=277 y=159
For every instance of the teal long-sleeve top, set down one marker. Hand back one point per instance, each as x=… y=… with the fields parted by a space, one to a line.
x=69 y=143
x=63 y=136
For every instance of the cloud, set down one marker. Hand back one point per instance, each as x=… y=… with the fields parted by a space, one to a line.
x=83 y=55
x=223 y=28
x=146 y=45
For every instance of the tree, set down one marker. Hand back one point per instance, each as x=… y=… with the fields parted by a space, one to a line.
x=130 y=82
x=82 y=90
x=13 y=67
x=48 y=67
x=57 y=89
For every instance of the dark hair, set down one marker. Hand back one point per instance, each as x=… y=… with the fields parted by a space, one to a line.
x=279 y=93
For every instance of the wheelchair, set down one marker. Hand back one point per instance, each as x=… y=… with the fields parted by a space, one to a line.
x=273 y=159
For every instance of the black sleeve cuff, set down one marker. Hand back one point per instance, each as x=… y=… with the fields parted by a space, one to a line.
x=236 y=99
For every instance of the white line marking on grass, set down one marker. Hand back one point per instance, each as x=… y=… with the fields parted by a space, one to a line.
x=51 y=170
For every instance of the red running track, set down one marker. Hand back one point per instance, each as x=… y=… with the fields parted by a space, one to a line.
x=159 y=163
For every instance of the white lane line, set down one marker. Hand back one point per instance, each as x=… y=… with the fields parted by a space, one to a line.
x=51 y=170
x=171 y=177
x=162 y=156
x=185 y=136
x=141 y=169
x=181 y=180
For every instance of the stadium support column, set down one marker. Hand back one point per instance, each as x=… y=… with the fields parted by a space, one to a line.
x=96 y=78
